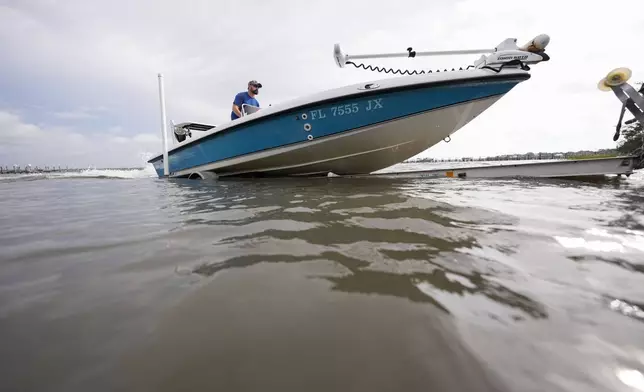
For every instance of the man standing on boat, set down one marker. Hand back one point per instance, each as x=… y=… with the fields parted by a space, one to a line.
x=245 y=97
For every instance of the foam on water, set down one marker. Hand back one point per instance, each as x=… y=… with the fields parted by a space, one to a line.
x=135 y=173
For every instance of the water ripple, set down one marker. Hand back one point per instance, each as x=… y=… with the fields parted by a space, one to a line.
x=155 y=283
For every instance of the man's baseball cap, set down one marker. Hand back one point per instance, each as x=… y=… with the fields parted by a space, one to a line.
x=255 y=83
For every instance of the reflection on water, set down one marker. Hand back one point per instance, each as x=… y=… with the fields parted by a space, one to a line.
x=370 y=231
x=632 y=204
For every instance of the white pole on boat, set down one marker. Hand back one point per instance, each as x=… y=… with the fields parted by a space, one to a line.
x=163 y=127
x=341 y=58
x=418 y=54
x=536 y=45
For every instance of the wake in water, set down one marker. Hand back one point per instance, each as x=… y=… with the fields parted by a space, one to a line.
x=147 y=171
x=136 y=173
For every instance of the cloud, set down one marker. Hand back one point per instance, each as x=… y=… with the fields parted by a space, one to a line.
x=81 y=113
x=61 y=59
x=14 y=132
x=25 y=143
x=73 y=115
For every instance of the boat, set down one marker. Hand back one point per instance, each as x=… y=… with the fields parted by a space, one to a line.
x=355 y=129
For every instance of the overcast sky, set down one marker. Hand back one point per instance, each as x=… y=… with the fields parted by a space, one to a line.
x=78 y=81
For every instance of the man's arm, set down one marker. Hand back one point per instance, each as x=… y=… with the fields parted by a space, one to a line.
x=237 y=103
x=236 y=110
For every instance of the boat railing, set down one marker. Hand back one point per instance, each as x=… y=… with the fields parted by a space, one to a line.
x=248 y=109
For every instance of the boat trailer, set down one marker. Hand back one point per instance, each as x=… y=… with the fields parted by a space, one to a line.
x=567 y=168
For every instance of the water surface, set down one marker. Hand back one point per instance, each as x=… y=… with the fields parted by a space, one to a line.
x=116 y=280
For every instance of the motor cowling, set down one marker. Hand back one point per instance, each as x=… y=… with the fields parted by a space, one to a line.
x=507 y=56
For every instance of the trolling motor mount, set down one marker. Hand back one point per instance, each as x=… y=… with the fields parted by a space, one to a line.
x=633 y=100
x=505 y=55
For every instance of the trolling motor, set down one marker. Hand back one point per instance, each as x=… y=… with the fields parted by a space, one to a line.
x=631 y=99
x=506 y=54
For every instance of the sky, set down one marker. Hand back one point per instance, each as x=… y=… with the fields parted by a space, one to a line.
x=78 y=78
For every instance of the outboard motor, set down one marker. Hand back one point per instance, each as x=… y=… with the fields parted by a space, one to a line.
x=181 y=133
x=184 y=130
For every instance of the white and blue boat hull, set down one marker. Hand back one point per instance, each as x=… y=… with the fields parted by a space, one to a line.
x=353 y=130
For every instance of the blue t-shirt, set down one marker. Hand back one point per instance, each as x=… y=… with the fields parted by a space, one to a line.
x=240 y=99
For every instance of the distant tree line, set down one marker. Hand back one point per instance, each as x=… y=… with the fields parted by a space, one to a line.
x=632 y=139
x=631 y=142
x=581 y=154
